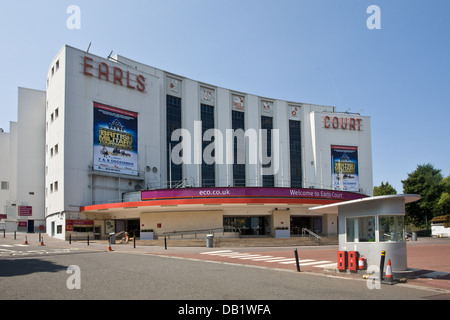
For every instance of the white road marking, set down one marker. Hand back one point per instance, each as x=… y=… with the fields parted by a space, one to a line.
x=216 y=252
x=269 y=259
x=300 y=261
x=330 y=265
x=315 y=262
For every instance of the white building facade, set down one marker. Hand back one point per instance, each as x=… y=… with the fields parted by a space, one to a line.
x=22 y=165
x=104 y=136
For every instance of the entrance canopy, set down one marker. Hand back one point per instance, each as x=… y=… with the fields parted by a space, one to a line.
x=159 y=199
x=369 y=201
x=253 y=210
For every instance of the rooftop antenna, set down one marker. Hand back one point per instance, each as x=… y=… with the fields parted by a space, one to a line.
x=88 y=47
x=110 y=54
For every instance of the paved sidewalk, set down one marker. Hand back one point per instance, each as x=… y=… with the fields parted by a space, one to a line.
x=429 y=258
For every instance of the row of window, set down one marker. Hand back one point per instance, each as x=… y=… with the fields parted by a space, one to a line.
x=175 y=173
x=53 y=187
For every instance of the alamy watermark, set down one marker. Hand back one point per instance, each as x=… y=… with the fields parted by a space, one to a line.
x=374 y=21
x=373 y=280
x=74 y=281
x=73 y=21
x=220 y=150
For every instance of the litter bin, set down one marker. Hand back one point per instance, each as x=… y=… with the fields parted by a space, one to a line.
x=209 y=240
x=112 y=238
x=414 y=236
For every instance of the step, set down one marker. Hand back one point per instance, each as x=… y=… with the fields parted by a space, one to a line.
x=242 y=242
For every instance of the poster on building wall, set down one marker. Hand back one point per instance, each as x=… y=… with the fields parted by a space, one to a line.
x=344 y=168
x=267 y=108
x=294 y=112
x=238 y=103
x=115 y=140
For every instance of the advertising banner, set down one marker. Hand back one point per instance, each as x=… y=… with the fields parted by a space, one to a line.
x=244 y=192
x=344 y=168
x=115 y=140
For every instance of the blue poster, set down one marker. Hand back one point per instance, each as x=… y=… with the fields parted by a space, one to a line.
x=344 y=168
x=115 y=140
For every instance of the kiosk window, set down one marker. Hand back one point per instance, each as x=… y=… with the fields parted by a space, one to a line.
x=391 y=228
x=361 y=229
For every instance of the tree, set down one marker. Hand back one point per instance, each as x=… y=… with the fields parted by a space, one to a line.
x=443 y=205
x=384 y=189
x=427 y=182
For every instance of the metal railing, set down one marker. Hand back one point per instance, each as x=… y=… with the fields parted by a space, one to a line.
x=306 y=230
x=197 y=232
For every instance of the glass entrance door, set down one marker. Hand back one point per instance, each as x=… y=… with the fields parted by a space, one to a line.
x=247 y=226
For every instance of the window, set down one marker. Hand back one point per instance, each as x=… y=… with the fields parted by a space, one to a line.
x=238 y=149
x=173 y=122
x=5 y=185
x=56 y=113
x=208 y=170
x=391 y=228
x=295 y=145
x=360 y=229
x=59 y=229
x=83 y=228
x=267 y=124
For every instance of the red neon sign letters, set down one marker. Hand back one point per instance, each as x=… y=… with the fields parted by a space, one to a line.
x=113 y=74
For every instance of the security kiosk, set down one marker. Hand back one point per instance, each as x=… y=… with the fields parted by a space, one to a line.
x=371 y=225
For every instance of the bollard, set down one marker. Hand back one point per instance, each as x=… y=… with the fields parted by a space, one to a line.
x=383 y=256
x=14 y=235
x=134 y=242
x=4 y=233
x=296 y=260
x=165 y=242
x=88 y=239
x=70 y=238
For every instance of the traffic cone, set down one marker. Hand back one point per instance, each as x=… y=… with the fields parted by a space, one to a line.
x=388 y=275
x=109 y=246
x=26 y=240
x=42 y=241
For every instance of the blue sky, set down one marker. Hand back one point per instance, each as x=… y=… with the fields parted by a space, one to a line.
x=312 y=51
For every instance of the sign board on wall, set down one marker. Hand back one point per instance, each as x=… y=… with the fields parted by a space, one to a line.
x=71 y=223
x=22 y=224
x=25 y=211
x=115 y=140
x=344 y=168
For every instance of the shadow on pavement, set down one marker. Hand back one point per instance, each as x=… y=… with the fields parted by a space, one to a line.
x=18 y=267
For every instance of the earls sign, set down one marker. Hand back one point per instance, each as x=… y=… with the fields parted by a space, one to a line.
x=116 y=75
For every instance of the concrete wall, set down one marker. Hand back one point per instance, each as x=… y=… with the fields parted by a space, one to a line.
x=181 y=221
